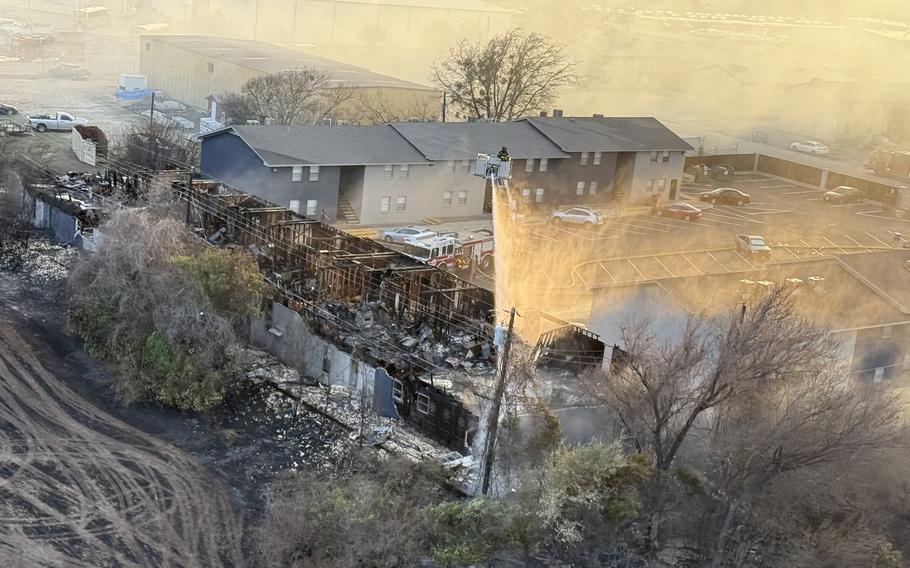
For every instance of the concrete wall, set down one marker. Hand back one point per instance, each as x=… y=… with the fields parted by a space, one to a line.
x=228 y=159
x=645 y=170
x=294 y=343
x=424 y=188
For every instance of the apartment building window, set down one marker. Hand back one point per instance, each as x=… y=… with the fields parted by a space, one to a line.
x=384 y=204
x=294 y=205
x=404 y=171
x=879 y=375
x=887 y=331
x=297 y=173
x=388 y=172
x=401 y=203
x=450 y=167
x=592 y=188
x=662 y=185
x=462 y=198
x=327 y=362
x=397 y=391
x=580 y=188
x=526 y=194
x=211 y=67
x=529 y=165
x=466 y=166
x=423 y=404
x=584 y=158
x=314 y=173
x=544 y=163
x=649 y=185
x=666 y=158
x=907 y=362
x=446 y=198
x=310 y=207
x=654 y=157
x=597 y=157
x=538 y=196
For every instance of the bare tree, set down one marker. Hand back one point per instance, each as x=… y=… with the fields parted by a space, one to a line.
x=289 y=97
x=376 y=108
x=155 y=146
x=664 y=389
x=235 y=108
x=512 y=75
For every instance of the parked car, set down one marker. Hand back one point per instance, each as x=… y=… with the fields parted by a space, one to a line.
x=578 y=215
x=70 y=71
x=844 y=194
x=752 y=244
x=722 y=172
x=677 y=210
x=8 y=110
x=402 y=234
x=56 y=121
x=725 y=195
x=810 y=147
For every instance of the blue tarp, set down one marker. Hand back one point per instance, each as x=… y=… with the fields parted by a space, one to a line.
x=134 y=95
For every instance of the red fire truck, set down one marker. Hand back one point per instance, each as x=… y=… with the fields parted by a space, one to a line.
x=451 y=253
x=890 y=163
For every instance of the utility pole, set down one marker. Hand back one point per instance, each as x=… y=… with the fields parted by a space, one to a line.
x=493 y=421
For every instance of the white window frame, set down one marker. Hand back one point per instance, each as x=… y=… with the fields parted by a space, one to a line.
x=529 y=165
x=597 y=158
x=462 y=199
x=580 y=188
x=654 y=156
x=592 y=188
x=422 y=403
x=404 y=171
x=907 y=362
x=584 y=158
x=544 y=164
x=450 y=165
x=666 y=157
x=526 y=193
x=649 y=185
x=661 y=185
x=446 y=198
x=294 y=205
x=311 y=205
x=879 y=375
x=538 y=195
x=314 y=173
x=887 y=331
x=397 y=391
x=297 y=173
x=466 y=167
x=401 y=203
x=385 y=203
x=388 y=172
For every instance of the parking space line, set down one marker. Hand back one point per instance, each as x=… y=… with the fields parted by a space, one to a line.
x=604 y=268
x=883 y=217
x=739 y=216
x=787 y=248
x=800 y=192
x=662 y=265
x=878 y=239
x=858 y=243
x=808 y=246
x=849 y=204
x=814 y=199
x=744 y=258
x=643 y=277
x=582 y=278
x=686 y=258
x=776 y=187
x=833 y=244
x=713 y=220
x=719 y=263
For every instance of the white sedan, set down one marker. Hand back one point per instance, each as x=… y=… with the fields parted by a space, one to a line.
x=577 y=215
x=402 y=234
x=810 y=147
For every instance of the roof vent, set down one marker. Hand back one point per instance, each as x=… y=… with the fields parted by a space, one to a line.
x=543 y=114
x=598 y=116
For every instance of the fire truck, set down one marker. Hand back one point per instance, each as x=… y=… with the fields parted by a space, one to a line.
x=451 y=253
x=894 y=164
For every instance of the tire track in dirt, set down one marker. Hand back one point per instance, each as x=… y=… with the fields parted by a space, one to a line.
x=80 y=488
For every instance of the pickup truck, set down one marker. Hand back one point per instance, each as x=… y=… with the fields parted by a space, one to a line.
x=56 y=121
x=754 y=245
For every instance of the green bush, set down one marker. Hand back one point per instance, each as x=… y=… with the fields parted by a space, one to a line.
x=468 y=532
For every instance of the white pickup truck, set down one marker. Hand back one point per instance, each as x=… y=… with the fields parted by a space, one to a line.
x=754 y=245
x=56 y=121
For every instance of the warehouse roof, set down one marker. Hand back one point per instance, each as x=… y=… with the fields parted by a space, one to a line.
x=462 y=5
x=270 y=58
x=463 y=140
x=609 y=134
x=326 y=145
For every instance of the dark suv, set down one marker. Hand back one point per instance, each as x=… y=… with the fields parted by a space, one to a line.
x=728 y=195
x=844 y=194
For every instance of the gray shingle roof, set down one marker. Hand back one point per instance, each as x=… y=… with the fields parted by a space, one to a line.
x=609 y=134
x=464 y=140
x=328 y=145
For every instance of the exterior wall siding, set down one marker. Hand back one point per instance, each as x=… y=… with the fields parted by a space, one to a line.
x=229 y=160
x=645 y=170
x=560 y=181
x=424 y=190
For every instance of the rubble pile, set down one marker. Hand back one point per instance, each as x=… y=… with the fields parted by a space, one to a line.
x=373 y=332
x=47 y=262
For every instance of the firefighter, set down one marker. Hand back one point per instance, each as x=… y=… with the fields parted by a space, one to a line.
x=503 y=155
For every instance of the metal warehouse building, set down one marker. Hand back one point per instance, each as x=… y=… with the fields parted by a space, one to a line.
x=193 y=68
